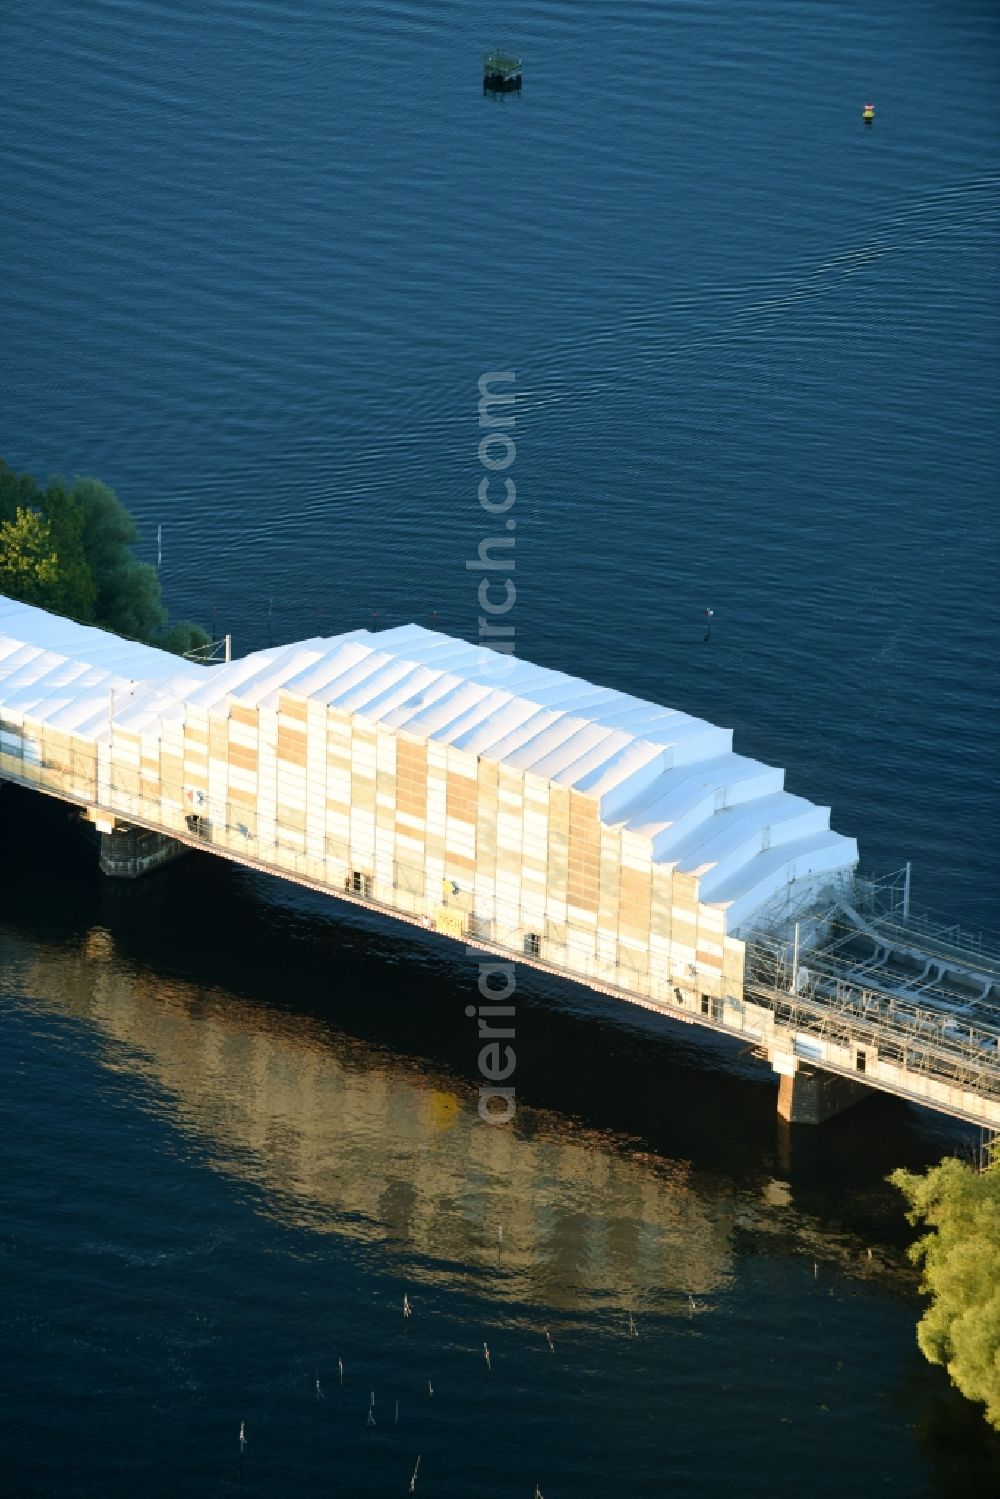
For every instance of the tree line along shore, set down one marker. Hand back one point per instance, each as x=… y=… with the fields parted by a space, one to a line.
x=67 y=546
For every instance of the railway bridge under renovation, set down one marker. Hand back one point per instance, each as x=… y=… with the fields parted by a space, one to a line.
x=529 y=814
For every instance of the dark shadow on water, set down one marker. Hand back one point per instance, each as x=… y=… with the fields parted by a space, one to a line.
x=961 y=1451
x=670 y=1088
x=389 y=999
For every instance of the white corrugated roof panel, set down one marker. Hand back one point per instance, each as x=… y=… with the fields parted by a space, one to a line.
x=65 y=638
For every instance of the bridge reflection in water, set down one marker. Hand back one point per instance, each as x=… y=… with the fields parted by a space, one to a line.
x=340 y=1140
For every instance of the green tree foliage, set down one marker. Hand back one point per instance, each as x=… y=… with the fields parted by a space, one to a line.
x=960 y=1259
x=77 y=591
x=183 y=637
x=29 y=565
x=68 y=548
x=128 y=592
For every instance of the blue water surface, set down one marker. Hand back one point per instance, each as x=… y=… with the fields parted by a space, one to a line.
x=255 y=259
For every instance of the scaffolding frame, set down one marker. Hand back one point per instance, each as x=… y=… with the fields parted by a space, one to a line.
x=874 y=977
x=804 y=976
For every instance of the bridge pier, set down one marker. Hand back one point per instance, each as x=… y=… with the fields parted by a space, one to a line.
x=809 y=1096
x=127 y=852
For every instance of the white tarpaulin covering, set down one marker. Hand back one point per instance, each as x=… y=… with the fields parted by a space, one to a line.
x=670 y=779
x=57 y=672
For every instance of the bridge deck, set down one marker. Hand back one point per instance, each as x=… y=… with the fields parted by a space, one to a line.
x=909 y=1053
x=614 y=842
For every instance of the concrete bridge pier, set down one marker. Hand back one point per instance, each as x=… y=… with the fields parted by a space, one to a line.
x=127 y=852
x=807 y=1095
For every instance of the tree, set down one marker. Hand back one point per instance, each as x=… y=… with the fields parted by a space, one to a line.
x=29 y=566
x=960 y=1259
x=68 y=588
x=183 y=637
x=128 y=592
x=68 y=548
x=77 y=594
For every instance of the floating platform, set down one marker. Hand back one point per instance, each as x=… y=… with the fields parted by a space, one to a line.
x=501 y=73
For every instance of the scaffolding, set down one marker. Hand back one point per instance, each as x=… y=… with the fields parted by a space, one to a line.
x=859 y=986
x=872 y=978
